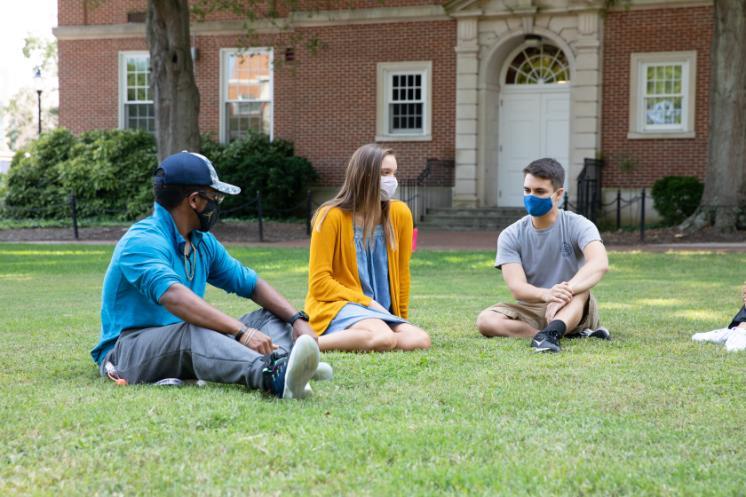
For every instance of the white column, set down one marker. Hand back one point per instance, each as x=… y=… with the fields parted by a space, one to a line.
x=467 y=70
x=586 y=94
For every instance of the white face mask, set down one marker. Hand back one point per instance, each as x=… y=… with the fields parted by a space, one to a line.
x=388 y=187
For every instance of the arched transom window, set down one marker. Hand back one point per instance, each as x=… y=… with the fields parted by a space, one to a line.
x=538 y=65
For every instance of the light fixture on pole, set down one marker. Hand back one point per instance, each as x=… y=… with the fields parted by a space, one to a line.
x=38 y=84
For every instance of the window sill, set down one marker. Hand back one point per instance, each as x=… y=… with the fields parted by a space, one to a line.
x=404 y=138
x=660 y=135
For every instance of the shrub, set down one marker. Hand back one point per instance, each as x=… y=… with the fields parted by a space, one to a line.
x=110 y=174
x=34 y=183
x=676 y=197
x=256 y=163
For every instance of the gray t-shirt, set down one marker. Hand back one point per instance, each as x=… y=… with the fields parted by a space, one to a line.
x=548 y=256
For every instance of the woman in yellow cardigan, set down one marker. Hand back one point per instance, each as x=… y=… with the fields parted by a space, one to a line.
x=358 y=278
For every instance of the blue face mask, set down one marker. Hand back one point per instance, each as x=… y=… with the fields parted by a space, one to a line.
x=537 y=206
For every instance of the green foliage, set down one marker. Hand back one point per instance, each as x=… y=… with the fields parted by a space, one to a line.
x=35 y=188
x=256 y=163
x=676 y=197
x=108 y=171
x=110 y=174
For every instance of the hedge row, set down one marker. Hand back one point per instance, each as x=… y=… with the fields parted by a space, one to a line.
x=110 y=173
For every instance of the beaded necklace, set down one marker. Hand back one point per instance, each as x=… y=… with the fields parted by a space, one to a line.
x=190 y=266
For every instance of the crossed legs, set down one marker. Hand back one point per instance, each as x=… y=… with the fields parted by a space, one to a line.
x=375 y=335
x=495 y=324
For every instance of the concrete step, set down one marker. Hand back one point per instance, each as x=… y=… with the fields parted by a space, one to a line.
x=516 y=212
x=488 y=219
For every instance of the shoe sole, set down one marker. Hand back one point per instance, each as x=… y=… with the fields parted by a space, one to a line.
x=302 y=364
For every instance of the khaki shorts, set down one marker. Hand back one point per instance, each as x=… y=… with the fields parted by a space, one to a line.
x=533 y=314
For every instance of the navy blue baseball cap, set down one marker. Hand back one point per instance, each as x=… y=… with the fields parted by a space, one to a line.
x=189 y=168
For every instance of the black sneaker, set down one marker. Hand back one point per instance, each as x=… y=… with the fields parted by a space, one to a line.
x=601 y=333
x=545 y=341
x=286 y=376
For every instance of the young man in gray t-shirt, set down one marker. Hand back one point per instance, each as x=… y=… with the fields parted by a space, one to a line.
x=550 y=260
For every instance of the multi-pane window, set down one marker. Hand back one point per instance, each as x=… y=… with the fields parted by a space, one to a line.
x=247 y=92
x=404 y=101
x=538 y=65
x=136 y=110
x=407 y=103
x=663 y=97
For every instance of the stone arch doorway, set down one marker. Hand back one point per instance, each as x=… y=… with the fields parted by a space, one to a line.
x=533 y=115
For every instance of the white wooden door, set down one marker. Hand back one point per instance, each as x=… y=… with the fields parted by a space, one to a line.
x=533 y=124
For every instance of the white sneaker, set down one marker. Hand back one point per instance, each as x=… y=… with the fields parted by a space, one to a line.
x=736 y=341
x=324 y=372
x=715 y=336
x=302 y=364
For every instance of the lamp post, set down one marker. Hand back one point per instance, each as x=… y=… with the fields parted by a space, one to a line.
x=38 y=85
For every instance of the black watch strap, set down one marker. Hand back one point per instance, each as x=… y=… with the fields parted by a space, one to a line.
x=240 y=333
x=298 y=315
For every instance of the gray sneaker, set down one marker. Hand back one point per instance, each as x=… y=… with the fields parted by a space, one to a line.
x=324 y=372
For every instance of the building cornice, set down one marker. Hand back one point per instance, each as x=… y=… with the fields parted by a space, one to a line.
x=427 y=13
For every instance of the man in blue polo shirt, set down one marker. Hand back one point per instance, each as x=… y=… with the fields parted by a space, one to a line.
x=156 y=324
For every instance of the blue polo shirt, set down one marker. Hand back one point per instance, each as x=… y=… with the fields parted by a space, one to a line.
x=146 y=262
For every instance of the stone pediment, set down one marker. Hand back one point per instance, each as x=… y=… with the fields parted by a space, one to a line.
x=502 y=7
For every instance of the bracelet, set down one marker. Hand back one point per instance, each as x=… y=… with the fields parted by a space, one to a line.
x=251 y=334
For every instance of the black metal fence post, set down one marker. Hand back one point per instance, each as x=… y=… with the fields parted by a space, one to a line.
x=594 y=204
x=642 y=216
x=74 y=211
x=309 y=213
x=260 y=215
x=619 y=209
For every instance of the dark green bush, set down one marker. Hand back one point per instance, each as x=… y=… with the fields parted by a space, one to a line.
x=110 y=173
x=256 y=163
x=676 y=197
x=34 y=183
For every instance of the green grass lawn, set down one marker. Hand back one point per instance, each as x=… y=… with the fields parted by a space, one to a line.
x=650 y=413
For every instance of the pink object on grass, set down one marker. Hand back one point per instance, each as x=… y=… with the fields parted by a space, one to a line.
x=414 y=239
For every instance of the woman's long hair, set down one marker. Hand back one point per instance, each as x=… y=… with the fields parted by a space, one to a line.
x=361 y=193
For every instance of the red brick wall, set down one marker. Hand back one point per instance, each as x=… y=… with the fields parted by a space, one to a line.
x=89 y=82
x=664 y=30
x=74 y=12
x=324 y=103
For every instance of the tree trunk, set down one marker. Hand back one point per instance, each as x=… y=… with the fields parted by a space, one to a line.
x=175 y=93
x=724 y=197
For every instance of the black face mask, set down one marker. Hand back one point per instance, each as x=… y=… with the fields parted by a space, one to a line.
x=209 y=215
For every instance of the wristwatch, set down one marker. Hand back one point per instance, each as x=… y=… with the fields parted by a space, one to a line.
x=241 y=333
x=298 y=315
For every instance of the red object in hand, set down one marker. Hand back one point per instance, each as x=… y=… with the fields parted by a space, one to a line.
x=414 y=239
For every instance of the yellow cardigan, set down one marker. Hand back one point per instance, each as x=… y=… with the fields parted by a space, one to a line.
x=333 y=279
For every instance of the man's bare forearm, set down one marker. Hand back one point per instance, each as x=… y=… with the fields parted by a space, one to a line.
x=185 y=304
x=588 y=276
x=270 y=299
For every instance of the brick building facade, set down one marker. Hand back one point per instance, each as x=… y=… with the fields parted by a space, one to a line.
x=489 y=84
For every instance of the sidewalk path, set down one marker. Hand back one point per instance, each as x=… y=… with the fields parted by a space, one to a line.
x=471 y=240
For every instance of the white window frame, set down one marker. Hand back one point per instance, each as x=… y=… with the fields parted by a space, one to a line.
x=224 y=54
x=385 y=73
x=639 y=62
x=123 y=56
